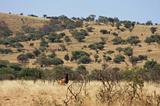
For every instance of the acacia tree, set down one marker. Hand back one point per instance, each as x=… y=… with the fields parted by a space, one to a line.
x=153 y=29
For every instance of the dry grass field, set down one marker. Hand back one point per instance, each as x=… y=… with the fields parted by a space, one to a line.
x=28 y=93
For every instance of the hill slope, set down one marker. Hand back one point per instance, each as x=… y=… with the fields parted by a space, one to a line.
x=152 y=51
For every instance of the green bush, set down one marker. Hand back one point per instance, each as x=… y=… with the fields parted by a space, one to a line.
x=133 y=40
x=30 y=73
x=96 y=46
x=55 y=38
x=153 y=39
x=128 y=51
x=56 y=61
x=79 y=35
x=30 y=55
x=4 y=63
x=43 y=43
x=118 y=40
x=150 y=64
x=119 y=59
x=119 y=49
x=84 y=60
x=52 y=55
x=78 y=54
x=5 y=51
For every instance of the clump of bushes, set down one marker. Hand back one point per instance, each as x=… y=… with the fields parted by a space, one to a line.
x=119 y=59
x=153 y=39
x=79 y=35
x=118 y=40
x=97 y=46
x=104 y=31
x=5 y=51
x=48 y=61
x=55 y=38
x=133 y=40
x=81 y=57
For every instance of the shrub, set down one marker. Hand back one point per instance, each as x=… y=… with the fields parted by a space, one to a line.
x=128 y=24
x=63 y=47
x=66 y=57
x=52 y=55
x=115 y=33
x=44 y=61
x=110 y=52
x=43 y=43
x=142 y=57
x=55 y=38
x=16 y=45
x=30 y=73
x=67 y=39
x=104 y=31
x=133 y=60
x=79 y=35
x=128 y=51
x=6 y=73
x=3 y=63
x=81 y=70
x=118 y=40
x=5 y=51
x=150 y=64
x=84 y=60
x=107 y=58
x=153 y=29
x=152 y=39
x=78 y=54
x=30 y=55
x=56 y=61
x=36 y=52
x=90 y=29
x=119 y=49
x=119 y=59
x=23 y=58
x=133 y=40
x=96 y=46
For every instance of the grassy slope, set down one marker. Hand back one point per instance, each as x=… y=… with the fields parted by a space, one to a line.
x=15 y=23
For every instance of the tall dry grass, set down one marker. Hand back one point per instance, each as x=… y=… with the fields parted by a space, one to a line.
x=28 y=93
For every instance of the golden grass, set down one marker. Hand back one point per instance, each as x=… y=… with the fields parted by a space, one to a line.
x=28 y=93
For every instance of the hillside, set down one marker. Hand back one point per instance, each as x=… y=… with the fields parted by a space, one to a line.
x=15 y=23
